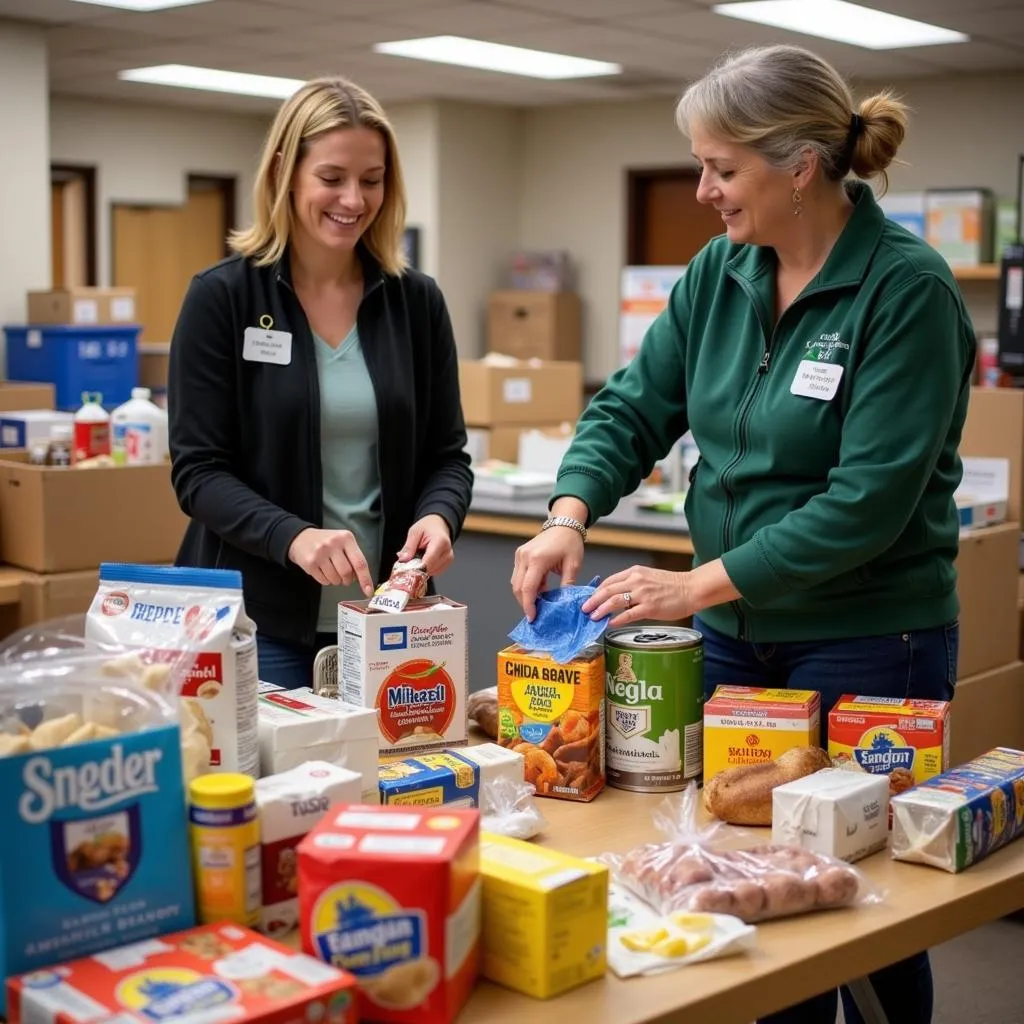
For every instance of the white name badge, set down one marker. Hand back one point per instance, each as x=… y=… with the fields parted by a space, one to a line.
x=817 y=380
x=261 y=345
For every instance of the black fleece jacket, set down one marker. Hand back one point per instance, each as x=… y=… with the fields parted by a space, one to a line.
x=245 y=435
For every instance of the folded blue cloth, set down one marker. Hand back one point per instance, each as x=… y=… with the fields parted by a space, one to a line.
x=560 y=628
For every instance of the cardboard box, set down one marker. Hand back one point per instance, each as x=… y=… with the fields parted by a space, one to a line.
x=545 y=917
x=92 y=306
x=502 y=442
x=987 y=584
x=541 y=449
x=154 y=360
x=995 y=429
x=412 y=667
x=217 y=972
x=534 y=325
x=56 y=595
x=59 y=520
x=960 y=223
x=455 y=778
x=18 y=397
x=983 y=493
x=987 y=711
x=392 y=894
x=544 y=392
x=746 y=725
x=25 y=429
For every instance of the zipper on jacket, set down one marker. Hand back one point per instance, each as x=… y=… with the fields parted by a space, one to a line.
x=753 y=391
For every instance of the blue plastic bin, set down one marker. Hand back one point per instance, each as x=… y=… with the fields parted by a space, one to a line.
x=75 y=359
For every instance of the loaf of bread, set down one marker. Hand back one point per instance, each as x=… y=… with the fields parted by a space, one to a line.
x=743 y=795
x=482 y=708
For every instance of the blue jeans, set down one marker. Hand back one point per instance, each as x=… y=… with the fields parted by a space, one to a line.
x=920 y=665
x=289 y=664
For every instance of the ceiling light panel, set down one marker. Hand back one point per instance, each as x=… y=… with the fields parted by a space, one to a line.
x=185 y=76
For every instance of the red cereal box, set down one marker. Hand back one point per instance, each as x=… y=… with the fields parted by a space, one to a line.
x=908 y=740
x=392 y=895
x=216 y=972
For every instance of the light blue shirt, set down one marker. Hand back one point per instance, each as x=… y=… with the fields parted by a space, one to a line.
x=348 y=459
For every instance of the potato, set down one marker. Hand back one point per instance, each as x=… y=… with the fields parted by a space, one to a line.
x=712 y=899
x=786 y=894
x=748 y=899
x=689 y=871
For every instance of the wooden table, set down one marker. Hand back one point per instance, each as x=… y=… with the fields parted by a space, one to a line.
x=793 y=959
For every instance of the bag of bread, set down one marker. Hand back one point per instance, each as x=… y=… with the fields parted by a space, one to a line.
x=696 y=869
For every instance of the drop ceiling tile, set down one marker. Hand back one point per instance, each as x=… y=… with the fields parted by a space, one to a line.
x=360 y=8
x=594 y=9
x=343 y=36
x=84 y=38
x=48 y=10
x=480 y=19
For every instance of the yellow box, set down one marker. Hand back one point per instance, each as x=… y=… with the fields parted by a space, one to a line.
x=545 y=917
x=753 y=725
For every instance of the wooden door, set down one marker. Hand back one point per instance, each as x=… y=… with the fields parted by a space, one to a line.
x=667 y=226
x=57 y=234
x=157 y=249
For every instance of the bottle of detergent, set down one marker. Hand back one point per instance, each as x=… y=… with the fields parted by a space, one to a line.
x=139 y=431
x=92 y=428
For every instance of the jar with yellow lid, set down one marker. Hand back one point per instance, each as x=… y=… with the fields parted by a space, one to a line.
x=225 y=835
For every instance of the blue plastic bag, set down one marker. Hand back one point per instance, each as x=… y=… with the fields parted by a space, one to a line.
x=560 y=628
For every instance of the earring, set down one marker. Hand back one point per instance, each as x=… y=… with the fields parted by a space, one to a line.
x=797 y=202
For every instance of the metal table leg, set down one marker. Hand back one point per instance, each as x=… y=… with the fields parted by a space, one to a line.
x=867 y=1001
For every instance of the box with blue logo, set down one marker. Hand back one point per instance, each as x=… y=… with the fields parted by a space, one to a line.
x=961 y=816
x=214 y=973
x=454 y=778
x=92 y=799
x=412 y=667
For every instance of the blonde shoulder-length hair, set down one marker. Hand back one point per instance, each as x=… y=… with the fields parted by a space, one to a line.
x=321 y=105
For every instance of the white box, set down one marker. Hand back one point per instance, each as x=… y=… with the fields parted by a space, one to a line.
x=984 y=491
x=289 y=805
x=838 y=813
x=22 y=429
x=411 y=668
x=456 y=778
x=299 y=725
x=496 y=762
x=542 y=451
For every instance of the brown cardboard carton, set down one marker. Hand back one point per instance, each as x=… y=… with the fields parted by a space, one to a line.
x=987 y=584
x=61 y=520
x=82 y=306
x=995 y=429
x=154 y=359
x=534 y=325
x=522 y=393
x=19 y=397
x=987 y=711
x=56 y=595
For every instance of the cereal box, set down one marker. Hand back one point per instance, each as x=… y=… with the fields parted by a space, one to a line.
x=412 y=668
x=754 y=725
x=289 y=805
x=545 y=917
x=908 y=740
x=553 y=715
x=953 y=820
x=454 y=778
x=95 y=848
x=217 y=972
x=392 y=894
x=296 y=726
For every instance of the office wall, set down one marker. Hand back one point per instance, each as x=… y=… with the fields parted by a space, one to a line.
x=478 y=219
x=24 y=169
x=966 y=130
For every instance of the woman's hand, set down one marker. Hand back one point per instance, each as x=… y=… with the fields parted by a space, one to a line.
x=431 y=539
x=643 y=593
x=331 y=557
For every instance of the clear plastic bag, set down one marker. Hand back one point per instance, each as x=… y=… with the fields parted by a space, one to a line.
x=509 y=809
x=688 y=872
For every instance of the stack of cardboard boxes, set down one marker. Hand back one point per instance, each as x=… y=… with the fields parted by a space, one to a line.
x=988 y=709
x=532 y=378
x=57 y=524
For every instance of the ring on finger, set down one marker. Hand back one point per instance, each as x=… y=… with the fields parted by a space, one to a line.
x=627 y=598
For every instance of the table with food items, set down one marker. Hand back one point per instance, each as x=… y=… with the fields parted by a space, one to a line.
x=589 y=838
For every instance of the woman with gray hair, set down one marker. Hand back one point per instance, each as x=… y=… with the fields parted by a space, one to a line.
x=821 y=355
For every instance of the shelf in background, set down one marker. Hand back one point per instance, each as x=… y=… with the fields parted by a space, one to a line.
x=982 y=272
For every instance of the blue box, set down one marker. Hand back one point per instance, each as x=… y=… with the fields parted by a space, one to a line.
x=76 y=359
x=95 y=852
x=430 y=780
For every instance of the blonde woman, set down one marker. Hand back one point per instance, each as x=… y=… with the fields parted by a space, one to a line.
x=821 y=356
x=316 y=428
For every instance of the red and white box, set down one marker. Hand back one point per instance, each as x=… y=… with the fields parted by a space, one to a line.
x=216 y=972
x=412 y=667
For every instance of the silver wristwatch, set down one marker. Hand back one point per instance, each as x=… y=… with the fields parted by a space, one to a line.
x=572 y=524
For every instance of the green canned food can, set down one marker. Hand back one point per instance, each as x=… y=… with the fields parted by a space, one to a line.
x=654 y=690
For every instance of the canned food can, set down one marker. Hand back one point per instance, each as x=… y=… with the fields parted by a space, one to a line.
x=654 y=691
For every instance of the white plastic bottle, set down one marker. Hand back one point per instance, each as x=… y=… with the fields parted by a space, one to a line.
x=139 y=431
x=92 y=429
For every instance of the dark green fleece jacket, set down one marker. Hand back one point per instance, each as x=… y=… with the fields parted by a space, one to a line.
x=828 y=440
